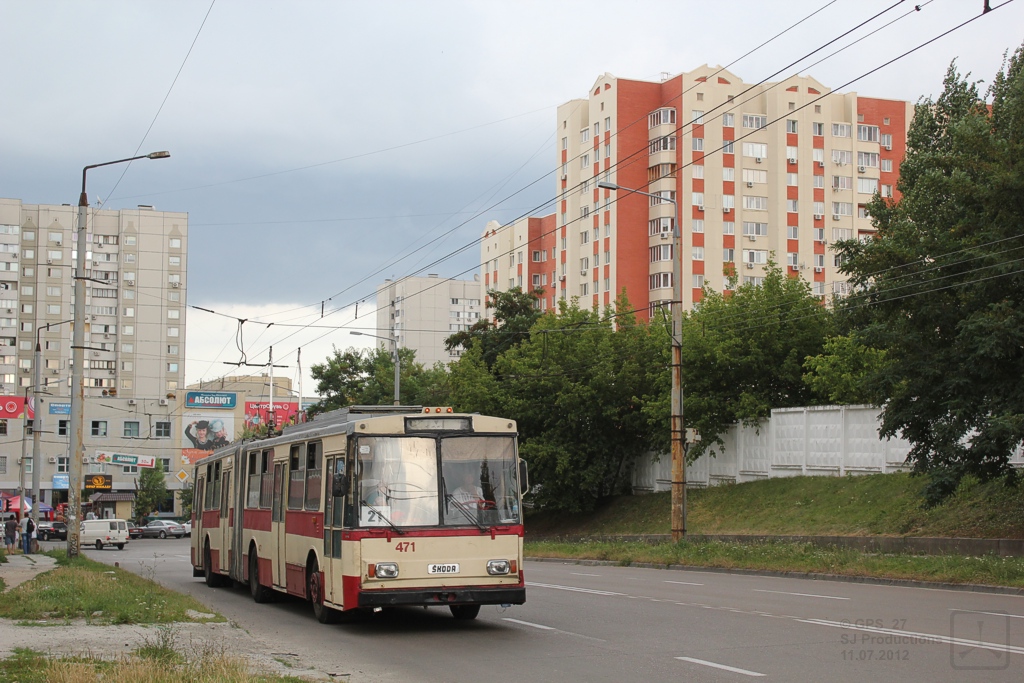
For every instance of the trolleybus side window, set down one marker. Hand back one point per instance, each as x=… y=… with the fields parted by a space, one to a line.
x=252 y=498
x=297 y=475
x=276 y=515
x=314 y=483
x=226 y=496
x=198 y=502
x=267 y=478
x=213 y=492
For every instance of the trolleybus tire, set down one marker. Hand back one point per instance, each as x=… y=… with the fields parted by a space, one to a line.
x=315 y=591
x=464 y=612
x=260 y=594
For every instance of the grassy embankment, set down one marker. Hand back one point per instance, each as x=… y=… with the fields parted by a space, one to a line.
x=86 y=589
x=887 y=505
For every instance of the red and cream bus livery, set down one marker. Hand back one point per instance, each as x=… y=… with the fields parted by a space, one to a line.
x=368 y=507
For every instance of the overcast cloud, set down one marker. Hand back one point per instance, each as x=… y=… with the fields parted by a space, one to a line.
x=314 y=144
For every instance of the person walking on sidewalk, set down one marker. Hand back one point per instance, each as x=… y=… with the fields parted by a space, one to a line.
x=28 y=528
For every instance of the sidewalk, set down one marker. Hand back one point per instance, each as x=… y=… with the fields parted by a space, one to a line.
x=21 y=568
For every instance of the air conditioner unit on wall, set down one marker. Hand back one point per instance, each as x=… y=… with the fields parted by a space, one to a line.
x=131 y=401
x=888 y=148
x=52 y=460
x=835 y=216
x=821 y=164
x=818 y=269
x=175 y=285
x=819 y=216
x=860 y=169
x=700 y=207
x=130 y=283
x=584 y=272
x=750 y=184
x=757 y=160
x=163 y=401
x=749 y=264
x=727 y=209
x=792 y=160
x=55 y=371
x=753 y=238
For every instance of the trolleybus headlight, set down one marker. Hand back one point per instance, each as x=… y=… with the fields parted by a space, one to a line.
x=497 y=567
x=386 y=570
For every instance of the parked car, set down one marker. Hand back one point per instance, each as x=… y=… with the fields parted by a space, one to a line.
x=48 y=531
x=162 y=528
x=134 y=531
x=187 y=526
x=104 y=532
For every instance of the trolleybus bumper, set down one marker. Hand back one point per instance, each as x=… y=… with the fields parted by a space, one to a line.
x=454 y=596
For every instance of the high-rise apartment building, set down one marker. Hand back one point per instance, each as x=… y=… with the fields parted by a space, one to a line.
x=773 y=171
x=421 y=312
x=136 y=263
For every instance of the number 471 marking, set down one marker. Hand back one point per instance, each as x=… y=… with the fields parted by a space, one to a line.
x=406 y=547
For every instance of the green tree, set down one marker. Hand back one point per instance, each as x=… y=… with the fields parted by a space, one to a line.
x=185 y=495
x=847 y=372
x=743 y=355
x=151 y=492
x=941 y=286
x=515 y=312
x=367 y=377
x=339 y=380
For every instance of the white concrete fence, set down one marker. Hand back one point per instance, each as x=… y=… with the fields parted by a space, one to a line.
x=821 y=440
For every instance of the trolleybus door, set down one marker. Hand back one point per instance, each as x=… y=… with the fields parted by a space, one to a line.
x=335 y=482
x=277 y=525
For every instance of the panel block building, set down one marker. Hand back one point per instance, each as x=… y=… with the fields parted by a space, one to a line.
x=136 y=263
x=772 y=171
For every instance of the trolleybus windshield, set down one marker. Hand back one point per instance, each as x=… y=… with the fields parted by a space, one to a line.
x=398 y=482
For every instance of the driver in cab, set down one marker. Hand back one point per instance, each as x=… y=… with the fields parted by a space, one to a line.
x=468 y=494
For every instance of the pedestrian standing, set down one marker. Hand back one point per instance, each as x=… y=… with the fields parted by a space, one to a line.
x=27 y=528
x=10 y=533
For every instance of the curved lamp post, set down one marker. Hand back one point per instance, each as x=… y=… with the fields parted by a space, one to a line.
x=398 y=365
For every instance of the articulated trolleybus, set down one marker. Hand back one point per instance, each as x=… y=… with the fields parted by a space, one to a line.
x=365 y=508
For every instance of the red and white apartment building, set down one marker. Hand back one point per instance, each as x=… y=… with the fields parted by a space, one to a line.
x=778 y=170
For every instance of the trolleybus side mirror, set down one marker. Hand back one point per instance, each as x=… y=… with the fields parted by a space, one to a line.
x=339 y=485
x=524 y=478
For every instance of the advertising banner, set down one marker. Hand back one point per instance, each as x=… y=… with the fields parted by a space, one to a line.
x=204 y=400
x=61 y=481
x=204 y=433
x=256 y=412
x=108 y=458
x=60 y=408
x=13 y=408
x=99 y=482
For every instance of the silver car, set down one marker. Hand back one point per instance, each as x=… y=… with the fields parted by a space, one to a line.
x=162 y=528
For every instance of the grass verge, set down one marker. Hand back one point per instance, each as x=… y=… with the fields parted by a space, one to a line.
x=30 y=666
x=794 y=557
x=879 y=504
x=85 y=589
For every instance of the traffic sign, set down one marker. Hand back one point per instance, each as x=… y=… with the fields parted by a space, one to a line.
x=182 y=475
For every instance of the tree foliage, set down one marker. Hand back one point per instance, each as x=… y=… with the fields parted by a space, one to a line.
x=185 y=496
x=515 y=312
x=743 y=355
x=367 y=377
x=847 y=372
x=151 y=492
x=941 y=286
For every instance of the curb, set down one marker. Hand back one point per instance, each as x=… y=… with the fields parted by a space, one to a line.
x=871 y=580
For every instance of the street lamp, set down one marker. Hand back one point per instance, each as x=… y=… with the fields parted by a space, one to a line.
x=398 y=365
x=78 y=360
x=37 y=420
x=677 y=426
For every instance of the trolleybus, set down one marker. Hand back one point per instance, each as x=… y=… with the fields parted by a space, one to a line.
x=368 y=507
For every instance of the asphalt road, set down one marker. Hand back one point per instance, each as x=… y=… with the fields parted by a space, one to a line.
x=585 y=623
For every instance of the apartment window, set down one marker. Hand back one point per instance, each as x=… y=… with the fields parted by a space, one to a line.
x=661 y=252
x=728 y=174
x=791 y=126
x=755 y=203
x=757 y=150
x=751 y=175
x=728 y=120
x=792 y=259
x=663 y=144
x=728 y=255
x=728 y=201
x=162 y=430
x=585 y=135
x=131 y=429
x=99 y=428
x=172 y=367
x=698 y=282
x=584 y=288
x=28 y=235
x=840 y=130
x=819 y=208
x=819 y=234
x=756 y=256
x=698 y=171
x=887 y=165
x=728 y=228
x=172 y=385
x=792 y=232
x=792 y=179
x=728 y=147
x=842 y=156
x=818 y=155
x=869 y=159
x=819 y=181
x=697 y=253
x=792 y=205
x=175 y=243
x=129 y=312
x=660 y=280
x=565 y=143
x=791 y=152
x=128 y=330
x=755 y=229
x=842 y=182
x=862 y=211
x=817 y=128
x=697 y=116
x=607 y=123
x=607 y=257
x=697 y=198
x=174 y=260
x=754 y=121
x=660 y=116
x=172 y=279
x=842 y=208
x=698 y=144
x=26 y=327
x=172 y=331
x=172 y=349
x=887 y=190
x=28 y=253
x=867 y=185
x=867 y=133
x=819 y=260
x=53 y=309
x=840 y=234
x=173 y=314
x=584 y=161
x=31 y=272
x=54 y=254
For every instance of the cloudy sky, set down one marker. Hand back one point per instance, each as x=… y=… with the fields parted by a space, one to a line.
x=320 y=147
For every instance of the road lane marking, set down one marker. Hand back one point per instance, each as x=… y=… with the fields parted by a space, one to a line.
x=580 y=574
x=804 y=595
x=527 y=623
x=995 y=614
x=685 y=583
x=733 y=669
x=926 y=638
x=572 y=588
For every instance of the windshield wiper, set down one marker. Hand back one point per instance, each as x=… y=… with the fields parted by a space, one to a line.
x=465 y=512
x=381 y=515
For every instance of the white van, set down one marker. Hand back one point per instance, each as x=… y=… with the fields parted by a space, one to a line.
x=103 y=532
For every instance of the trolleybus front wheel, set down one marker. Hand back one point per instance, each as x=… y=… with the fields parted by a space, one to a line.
x=464 y=612
x=315 y=591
